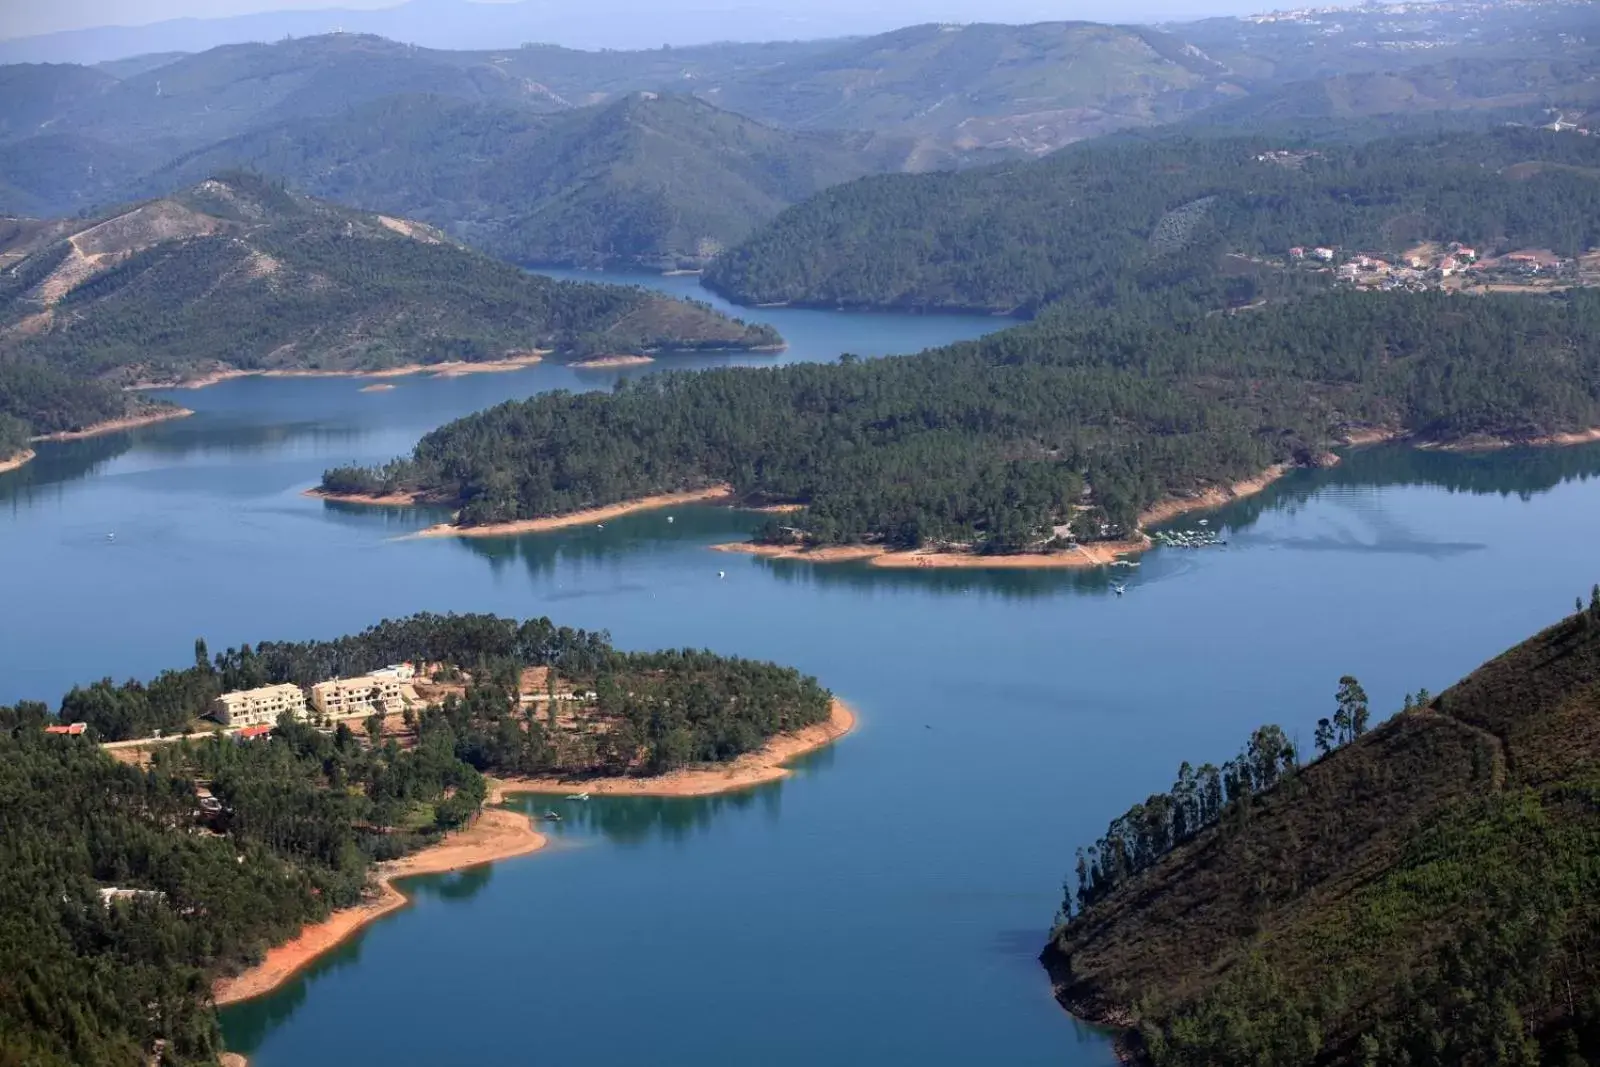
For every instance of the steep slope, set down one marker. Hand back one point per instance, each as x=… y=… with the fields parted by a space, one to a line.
x=238 y=274
x=1098 y=221
x=991 y=87
x=32 y=95
x=1425 y=894
x=655 y=179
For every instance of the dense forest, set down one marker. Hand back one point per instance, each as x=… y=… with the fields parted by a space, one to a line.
x=239 y=273
x=1105 y=221
x=992 y=443
x=128 y=981
x=304 y=814
x=654 y=179
x=666 y=709
x=1424 y=893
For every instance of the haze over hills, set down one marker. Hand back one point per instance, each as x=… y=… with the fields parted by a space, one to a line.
x=1425 y=894
x=237 y=274
x=651 y=179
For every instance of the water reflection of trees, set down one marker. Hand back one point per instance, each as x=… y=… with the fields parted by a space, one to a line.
x=246 y=1025
x=1520 y=472
x=631 y=821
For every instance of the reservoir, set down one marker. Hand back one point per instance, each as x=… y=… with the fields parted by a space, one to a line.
x=886 y=903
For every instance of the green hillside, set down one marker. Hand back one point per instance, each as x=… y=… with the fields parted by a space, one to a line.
x=237 y=273
x=1427 y=894
x=652 y=179
x=986 y=86
x=990 y=445
x=1098 y=221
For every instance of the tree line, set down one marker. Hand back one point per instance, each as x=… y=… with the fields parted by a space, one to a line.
x=995 y=443
x=304 y=813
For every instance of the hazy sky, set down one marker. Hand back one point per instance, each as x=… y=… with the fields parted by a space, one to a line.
x=22 y=17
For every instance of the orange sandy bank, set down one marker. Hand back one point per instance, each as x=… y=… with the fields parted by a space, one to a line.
x=1490 y=444
x=496 y=834
x=613 y=361
x=386 y=500
x=17 y=460
x=449 y=369
x=1099 y=554
x=755 y=768
x=113 y=425
x=574 y=518
x=1215 y=497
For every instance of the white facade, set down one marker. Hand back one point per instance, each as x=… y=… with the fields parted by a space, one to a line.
x=343 y=698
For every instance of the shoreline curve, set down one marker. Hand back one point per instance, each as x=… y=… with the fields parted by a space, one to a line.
x=571 y=518
x=766 y=764
x=454 y=368
x=131 y=422
x=496 y=834
x=12 y=462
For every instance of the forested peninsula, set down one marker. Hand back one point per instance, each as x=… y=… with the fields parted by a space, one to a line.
x=128 y=885
x=1423 y=893
x=1068 y=427
x=240 y=275
x=1111 y=220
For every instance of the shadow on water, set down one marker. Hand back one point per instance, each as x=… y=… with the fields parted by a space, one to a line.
x=633 y=821
x=246 y=1025
x=1521 y=472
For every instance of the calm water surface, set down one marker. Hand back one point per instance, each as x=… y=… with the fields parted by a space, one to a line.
x=887 y=902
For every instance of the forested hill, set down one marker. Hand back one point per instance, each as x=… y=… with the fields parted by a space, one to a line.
x=1102 y=220
x=238 y=273
x=303 y=814
x=662 y=180
x=1427 y=894
x=991 y=444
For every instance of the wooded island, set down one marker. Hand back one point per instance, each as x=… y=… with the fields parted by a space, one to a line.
x=1065 y=428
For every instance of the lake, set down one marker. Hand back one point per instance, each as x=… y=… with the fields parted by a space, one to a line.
x=887 y=902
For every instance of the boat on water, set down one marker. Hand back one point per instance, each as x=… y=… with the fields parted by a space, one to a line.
x=578 y=796
x=551 y=816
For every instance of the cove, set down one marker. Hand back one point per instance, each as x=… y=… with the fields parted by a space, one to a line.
x=886 y=903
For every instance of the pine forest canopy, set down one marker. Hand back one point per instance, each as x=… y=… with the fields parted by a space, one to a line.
x=1423 y=893
x=995 y=441
x=237 y=273
x=303 y=815
x=1102 y=221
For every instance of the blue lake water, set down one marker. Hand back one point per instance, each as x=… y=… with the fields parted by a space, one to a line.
x=887 y=902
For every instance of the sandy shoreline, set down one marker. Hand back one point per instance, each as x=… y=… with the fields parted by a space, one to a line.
x=132 y=422
x=1215 y=497
x=448 y=369
x=1097 y=554
x=382 y=500
x=599 y=362
x=13 y=462
x=573 y=518
x=496 y=834
x=755 y=768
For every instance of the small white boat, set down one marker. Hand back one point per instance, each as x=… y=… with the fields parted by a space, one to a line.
x=579 y=796
x=599 y=526
x=722 y=574
x=111 y=537
x=1119 y=589
x=1205 y=522
x=669 y=518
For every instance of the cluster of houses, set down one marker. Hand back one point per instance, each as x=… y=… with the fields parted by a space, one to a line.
x=1430 y=267
x=254 y=711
